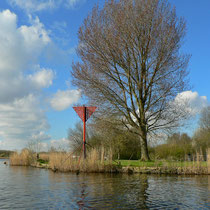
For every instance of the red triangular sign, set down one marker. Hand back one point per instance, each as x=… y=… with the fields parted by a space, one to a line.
x=81 y=110
x=89 y=111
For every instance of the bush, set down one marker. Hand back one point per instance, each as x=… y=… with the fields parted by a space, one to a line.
x=178 y=146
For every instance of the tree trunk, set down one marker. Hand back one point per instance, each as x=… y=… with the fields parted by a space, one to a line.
x=144 y=147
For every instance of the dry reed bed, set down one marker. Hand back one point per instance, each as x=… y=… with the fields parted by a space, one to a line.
x=65 y=162
x=25 y=158
x=93 y=163
x=196 y=166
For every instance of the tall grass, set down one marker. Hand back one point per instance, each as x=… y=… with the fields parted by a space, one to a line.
x=24 y=158
x=196 y=166
x=208 y=160
x=44 y=156
x=94 y=162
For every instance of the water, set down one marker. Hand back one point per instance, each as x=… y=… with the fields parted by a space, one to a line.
x=32 y=188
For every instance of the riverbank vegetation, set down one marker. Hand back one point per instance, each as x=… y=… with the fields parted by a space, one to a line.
x=64 y=161
x=24 y=158
x=111 y=150
x=96 y=162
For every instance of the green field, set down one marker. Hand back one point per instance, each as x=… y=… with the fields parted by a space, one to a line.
x=137 y=163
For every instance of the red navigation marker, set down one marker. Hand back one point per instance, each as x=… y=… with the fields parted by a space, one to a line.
x=84 y=114
x=88 y=112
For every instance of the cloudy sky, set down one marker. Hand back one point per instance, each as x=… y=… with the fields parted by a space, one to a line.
x=38 y=39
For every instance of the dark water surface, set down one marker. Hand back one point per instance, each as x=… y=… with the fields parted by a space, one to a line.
x=32 y=188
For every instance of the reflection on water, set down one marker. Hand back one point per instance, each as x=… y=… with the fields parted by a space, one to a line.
x=31 y=188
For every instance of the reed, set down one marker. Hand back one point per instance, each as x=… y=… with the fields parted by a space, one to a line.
x=44 y=156
x=208 y=160
x=61 y=161
x=65 y=162
x=196 y=166
x=24 y=158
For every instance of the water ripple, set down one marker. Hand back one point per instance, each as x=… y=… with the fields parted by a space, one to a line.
x=31 y=188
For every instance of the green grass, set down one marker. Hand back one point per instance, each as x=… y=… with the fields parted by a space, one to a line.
x=157 y=163
x=138 y=163
x=42 y=161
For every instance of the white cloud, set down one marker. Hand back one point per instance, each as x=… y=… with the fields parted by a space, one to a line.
x=42 y=78
x=21 y=81
x=59 y=144
x=63 y=99
x=21 y=120
x=19 y=86
x=42 y=142
x=34 y=5
x=34 y=33
x=192 y=100
x=185 y=106
x=39 y=5
x=72 y=3
x=20 y=49
x=40 y=136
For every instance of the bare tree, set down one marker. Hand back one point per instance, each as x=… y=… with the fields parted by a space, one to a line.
x=34 y=145
x=75 y=137
x=205 y=118
x=131 y=66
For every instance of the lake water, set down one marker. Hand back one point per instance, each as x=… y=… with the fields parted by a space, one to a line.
x=32 y=188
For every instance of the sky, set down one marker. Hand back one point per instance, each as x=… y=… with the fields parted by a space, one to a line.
x=38 y=41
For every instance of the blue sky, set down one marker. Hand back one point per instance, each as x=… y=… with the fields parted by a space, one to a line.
x=197 y=15
x=38 y=39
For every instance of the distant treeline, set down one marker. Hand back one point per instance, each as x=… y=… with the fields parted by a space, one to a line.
x=5 y=153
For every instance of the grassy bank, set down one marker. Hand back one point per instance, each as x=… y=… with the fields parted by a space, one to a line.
x=95 y=162
x=165 y=167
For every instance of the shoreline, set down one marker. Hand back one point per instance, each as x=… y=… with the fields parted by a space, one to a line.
x=64 y=162
x=136 y=170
